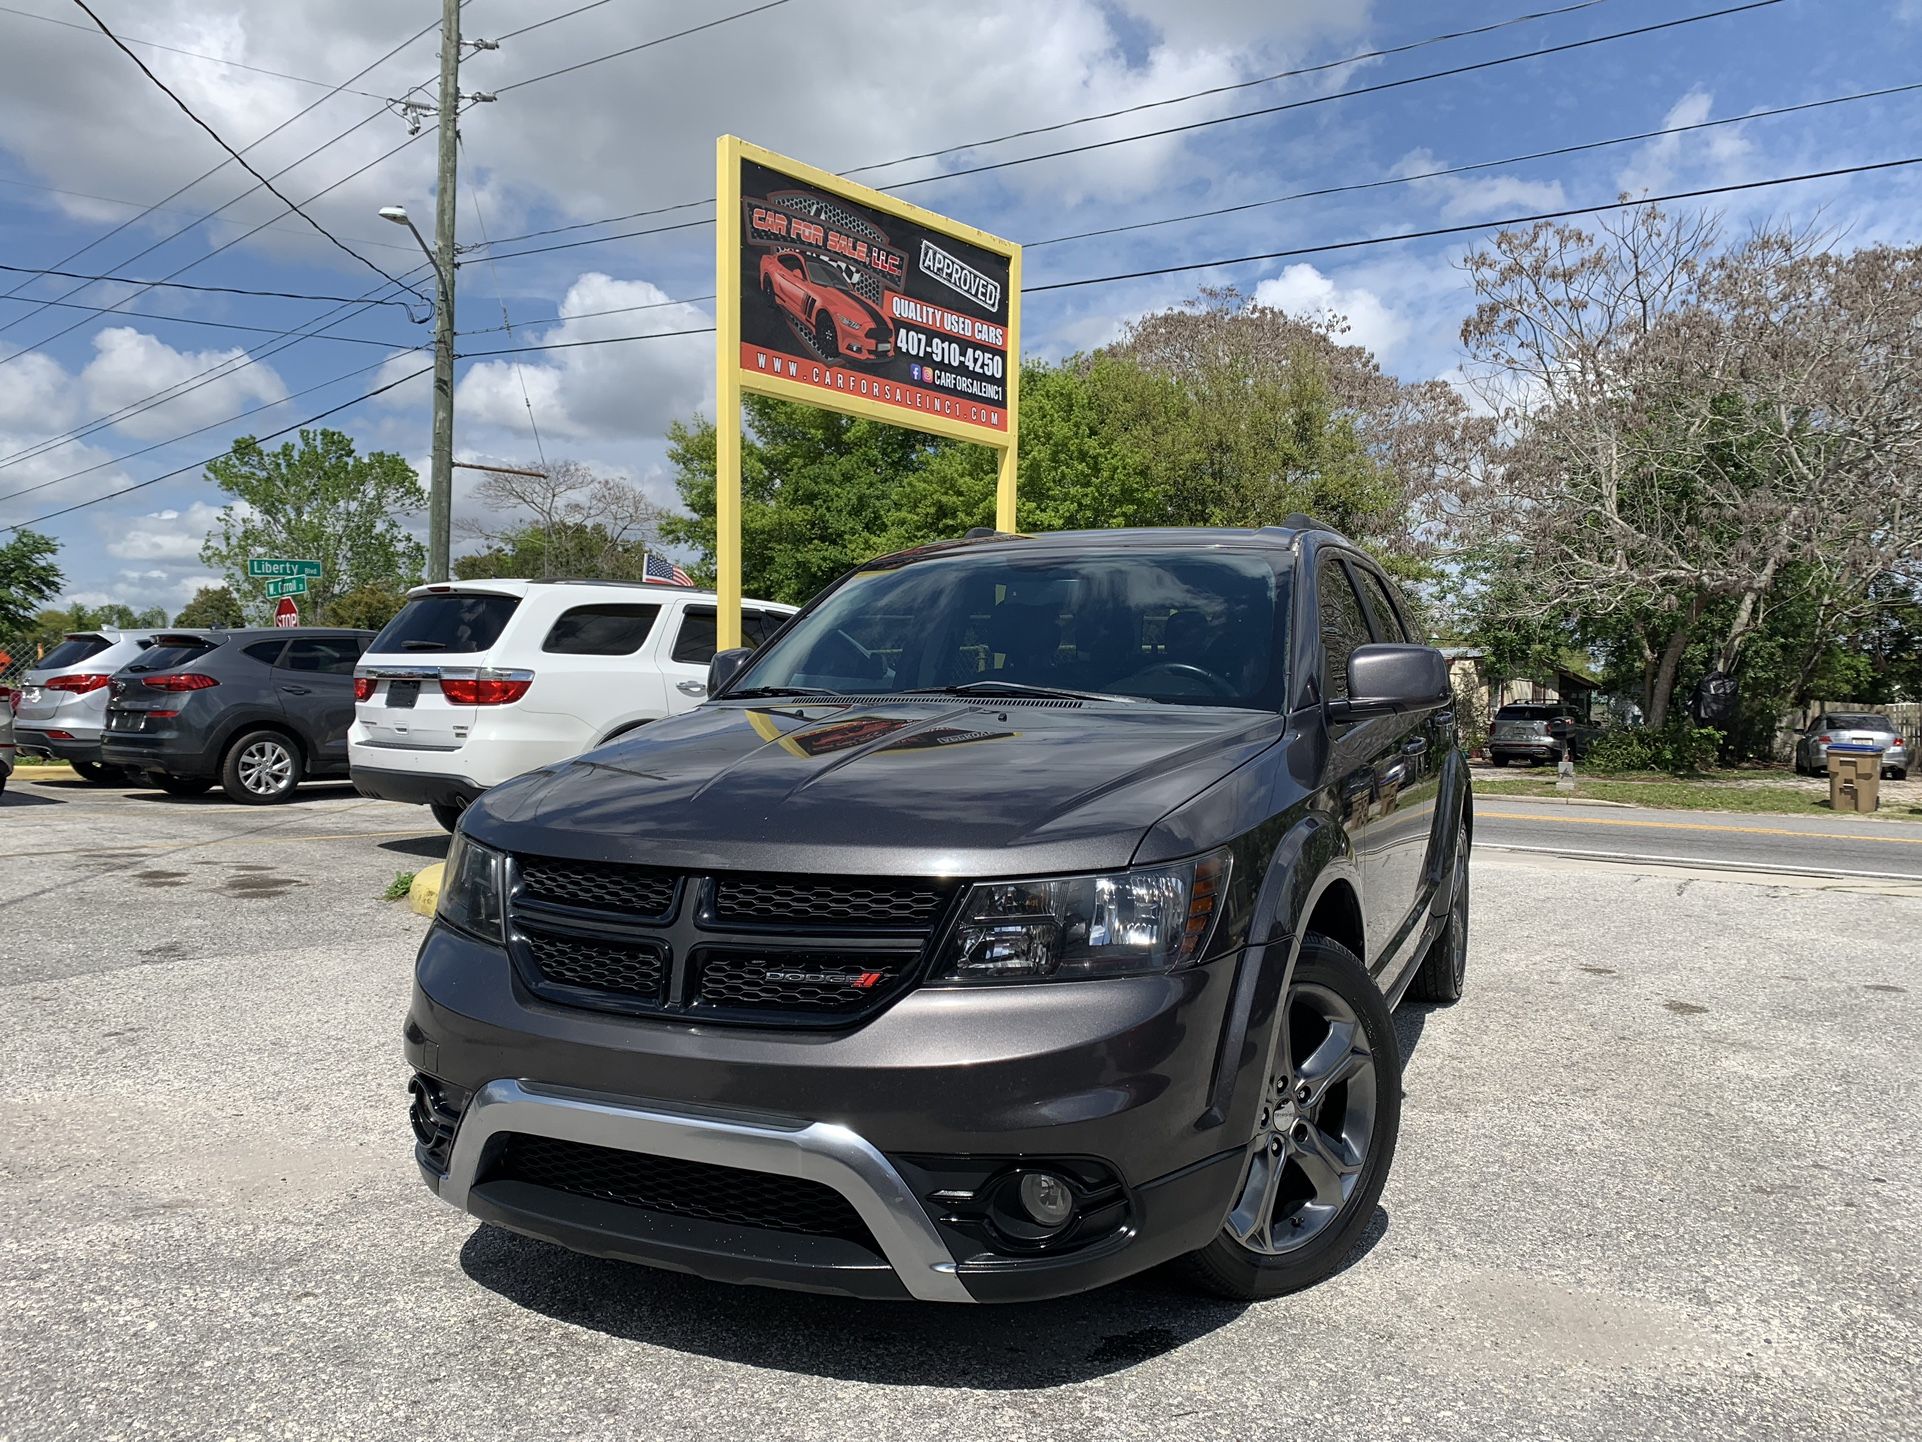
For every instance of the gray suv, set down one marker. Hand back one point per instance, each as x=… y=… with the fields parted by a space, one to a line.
x=256 y=711
x=1026 y=913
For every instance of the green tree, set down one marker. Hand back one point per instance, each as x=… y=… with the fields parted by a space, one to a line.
x=212 y=607
x=315 y=500
x=365 y=608
x=28 y=579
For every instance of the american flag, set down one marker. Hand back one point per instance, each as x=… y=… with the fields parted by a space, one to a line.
x=656 y=569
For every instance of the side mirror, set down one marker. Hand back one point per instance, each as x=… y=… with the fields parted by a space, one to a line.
x=725 y=666
x=1384 y=679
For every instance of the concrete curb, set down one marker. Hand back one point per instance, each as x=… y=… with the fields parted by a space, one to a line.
x=1529 y=799
x=424 y=895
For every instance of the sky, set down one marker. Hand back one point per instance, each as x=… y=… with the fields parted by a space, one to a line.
x=102 y=175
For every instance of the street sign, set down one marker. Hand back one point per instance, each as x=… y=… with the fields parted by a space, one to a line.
x=265 y=566
x=286 y=613
x=288 y=586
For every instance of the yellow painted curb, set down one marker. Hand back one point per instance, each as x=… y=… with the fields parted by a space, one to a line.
x=424 y=895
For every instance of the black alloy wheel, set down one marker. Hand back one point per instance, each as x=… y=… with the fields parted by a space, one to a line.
x=1324 y=1134
x=825 y=339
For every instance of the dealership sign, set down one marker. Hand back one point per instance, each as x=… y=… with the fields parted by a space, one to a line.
x=835 y=295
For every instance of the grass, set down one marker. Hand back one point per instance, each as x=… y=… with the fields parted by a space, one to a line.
x=398 y=887
x=1669 y=793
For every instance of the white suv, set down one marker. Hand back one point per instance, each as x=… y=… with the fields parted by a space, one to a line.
x=478 y=681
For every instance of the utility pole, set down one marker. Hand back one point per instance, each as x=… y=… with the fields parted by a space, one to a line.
x=440 y=485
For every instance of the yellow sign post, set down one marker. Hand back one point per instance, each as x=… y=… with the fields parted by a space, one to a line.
x=835 y=295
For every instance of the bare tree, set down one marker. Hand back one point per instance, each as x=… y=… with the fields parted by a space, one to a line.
x=1688 y=429
x=570 y=520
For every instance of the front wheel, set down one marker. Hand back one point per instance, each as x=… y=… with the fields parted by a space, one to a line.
x=261 y=768
x=825 y=339
x=1324 y=1135
x=1498 y=761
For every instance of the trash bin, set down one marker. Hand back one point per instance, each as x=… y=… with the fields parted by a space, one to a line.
x=1855 y=776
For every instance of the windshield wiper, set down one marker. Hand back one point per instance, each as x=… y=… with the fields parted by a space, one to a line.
x=754 y=691
x=1020 y=688
x=422 y=646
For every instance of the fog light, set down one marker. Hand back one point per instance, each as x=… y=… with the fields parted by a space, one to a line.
x=1047 y=1199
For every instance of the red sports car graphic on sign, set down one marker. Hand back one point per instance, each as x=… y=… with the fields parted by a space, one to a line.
x=840 y=324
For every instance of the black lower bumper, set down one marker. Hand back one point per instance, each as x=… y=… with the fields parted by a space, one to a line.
x=164 y=755
x=78 y=749
x=415 y=788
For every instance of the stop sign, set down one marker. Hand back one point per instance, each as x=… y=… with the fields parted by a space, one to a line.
x=286 y=613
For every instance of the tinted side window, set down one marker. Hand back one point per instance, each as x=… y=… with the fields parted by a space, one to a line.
x=455 y=621
x=608 y=630
x=695 y=643
x=329 y=655
x=266 y=652
x=1387 y=617
x=1343 y=626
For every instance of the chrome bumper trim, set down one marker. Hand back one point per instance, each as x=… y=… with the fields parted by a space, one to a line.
x=818 y=1151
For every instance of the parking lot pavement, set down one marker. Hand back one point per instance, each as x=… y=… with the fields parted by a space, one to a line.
x=1659 y=1177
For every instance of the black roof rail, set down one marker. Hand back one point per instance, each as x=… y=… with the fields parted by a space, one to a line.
x=1300 y=521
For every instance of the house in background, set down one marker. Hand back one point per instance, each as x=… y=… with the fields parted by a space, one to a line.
x=1571 y=682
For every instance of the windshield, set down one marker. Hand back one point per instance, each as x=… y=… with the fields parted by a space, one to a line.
x=1854 y=722
x=822 y=274
x=452 y=621
x=1183 y=626
x=170 y=652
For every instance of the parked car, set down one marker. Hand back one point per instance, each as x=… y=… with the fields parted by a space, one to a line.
x=63 y=701
x=1537 y=731
x=1026 y=914
x=1858 y=728
x=9 y=698
x=477 y=681
x=256 y=711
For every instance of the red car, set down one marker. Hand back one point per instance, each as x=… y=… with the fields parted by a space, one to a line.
x=840 y=323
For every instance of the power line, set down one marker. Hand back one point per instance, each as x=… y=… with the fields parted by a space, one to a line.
x=591 y=314
x=644 y=45
x=157 y=209
x=552 y=19
x=203 y=464
x=182 y=190
x=1130 y=139
x=601 y=340
x=194 y=54
x=188 y=111
x=188 y=285
x=1476 y=225
x=1477 y=165
x=507 y=321
x=220 y=371
x=198 y=430
x=218 y=324
x=1375 y=89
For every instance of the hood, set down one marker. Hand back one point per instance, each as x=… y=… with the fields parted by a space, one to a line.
x=923 y=787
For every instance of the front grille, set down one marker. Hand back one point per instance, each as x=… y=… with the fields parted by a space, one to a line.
x=619 y=968
x=636 y=890
x=797 y=981
x=681 y=1188
x=825 y=901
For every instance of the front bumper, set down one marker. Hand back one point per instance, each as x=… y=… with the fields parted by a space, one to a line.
x=1113 y=1076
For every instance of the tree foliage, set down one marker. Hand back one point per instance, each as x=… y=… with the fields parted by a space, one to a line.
x=573 y=520
x=315 y=499
x=212 y=607
x=365 y=608
x=28 y=579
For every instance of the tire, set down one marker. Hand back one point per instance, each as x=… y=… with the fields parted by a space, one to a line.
x=183 y=785
x=1442 y=970
x=825 y=339
x=1498 y=761
x=1276 y=1237
x=448 y=816
x=98 y=773
x=260 y=768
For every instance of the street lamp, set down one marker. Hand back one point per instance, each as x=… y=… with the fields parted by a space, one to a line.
x=440 y=485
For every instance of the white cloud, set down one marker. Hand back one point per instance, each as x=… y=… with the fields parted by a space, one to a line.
x=1718 y=154
x=1303 y=290
x=1478 y=197
x=167 y=536
x=38 y=392
x=129 y=365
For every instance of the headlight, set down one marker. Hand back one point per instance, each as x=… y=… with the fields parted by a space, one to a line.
x=470 y=890
x=1073 y=928
x=852 y=322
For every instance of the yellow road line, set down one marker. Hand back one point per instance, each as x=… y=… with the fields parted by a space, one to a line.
x=1699 y=826
x=166 y=849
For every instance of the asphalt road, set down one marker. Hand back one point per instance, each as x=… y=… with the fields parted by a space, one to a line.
x=1659 y=1177
x=1834 y=845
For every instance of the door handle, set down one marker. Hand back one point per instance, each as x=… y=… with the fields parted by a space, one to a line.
x=296 y=690
x=691 y=688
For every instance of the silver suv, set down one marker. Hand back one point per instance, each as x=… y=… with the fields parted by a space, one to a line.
x=63 y=700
